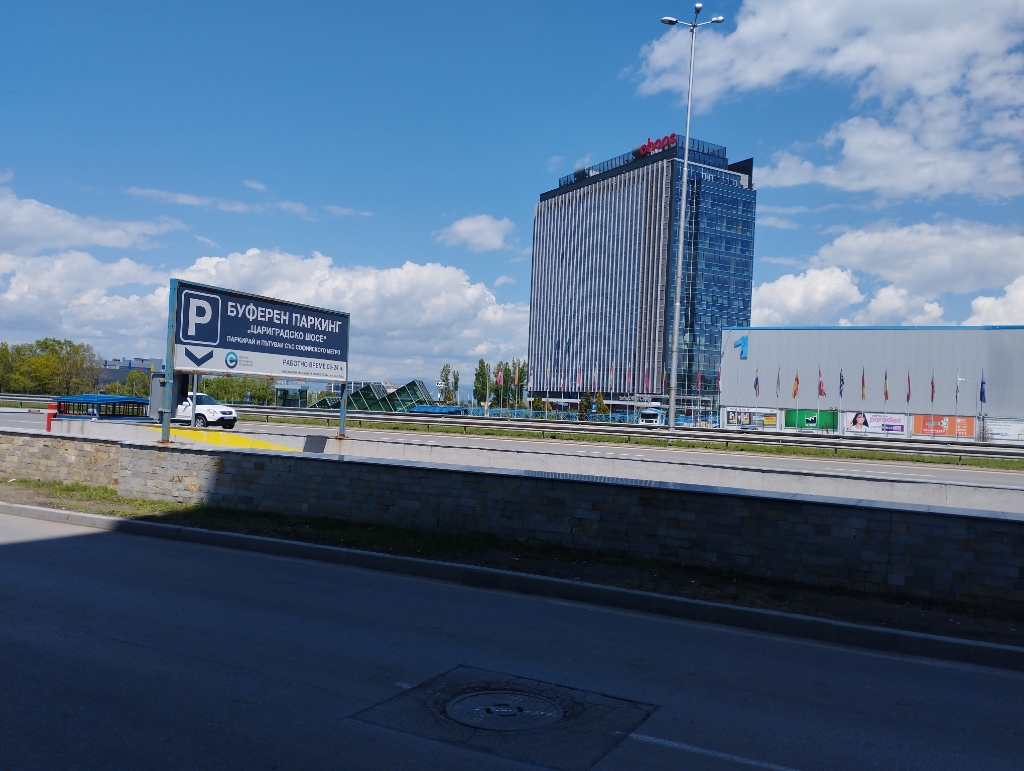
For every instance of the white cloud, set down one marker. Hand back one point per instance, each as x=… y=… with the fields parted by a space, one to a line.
x=6 y=176
x=502 y=280
x=187 y=199
x=207 y=241
x=583 y=162
x=294 y=207
x=929 y=259
x=1008 y=309
x=761 y=209
x=405 y=321
x=555 y=162
x=809 y=297
x=344 y=211
x=254 y=184
x=913 y=266
x=896 y=303
x=70 y=295
x=946 y=92
x=777 y=222
x=237 y=207
x=28 y=226
x=481 y=233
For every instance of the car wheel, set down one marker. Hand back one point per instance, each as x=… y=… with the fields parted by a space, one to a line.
x=200 y=421
x=229 y=424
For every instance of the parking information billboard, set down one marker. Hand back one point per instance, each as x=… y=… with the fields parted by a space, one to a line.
x=223 y=332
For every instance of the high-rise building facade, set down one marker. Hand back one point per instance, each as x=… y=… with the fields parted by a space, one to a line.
x=605 y=244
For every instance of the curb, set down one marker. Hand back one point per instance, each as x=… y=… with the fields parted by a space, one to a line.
x=755 y=619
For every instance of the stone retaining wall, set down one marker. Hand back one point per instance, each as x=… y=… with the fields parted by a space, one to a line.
x=863 y=546
x=34 y=455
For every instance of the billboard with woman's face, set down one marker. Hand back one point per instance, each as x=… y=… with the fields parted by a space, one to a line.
x=875 y=423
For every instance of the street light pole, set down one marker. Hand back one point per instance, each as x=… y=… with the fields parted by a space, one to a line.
x=673 y=386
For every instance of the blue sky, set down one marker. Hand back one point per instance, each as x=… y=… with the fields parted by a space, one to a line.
x=385 y=159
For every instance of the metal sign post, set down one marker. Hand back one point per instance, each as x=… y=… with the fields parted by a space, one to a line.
x=168 y=408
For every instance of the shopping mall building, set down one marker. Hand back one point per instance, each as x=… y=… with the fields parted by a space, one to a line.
x=605 y=244
x=885 y=381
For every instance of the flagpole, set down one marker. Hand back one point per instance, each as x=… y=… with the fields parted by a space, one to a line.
x=817 y=404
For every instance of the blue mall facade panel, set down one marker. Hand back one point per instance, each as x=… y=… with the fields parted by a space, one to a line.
x=605 y=243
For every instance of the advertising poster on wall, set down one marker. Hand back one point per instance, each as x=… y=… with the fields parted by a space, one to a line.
x=812 y=420
x=885 y=424
x=1002 y=430
x=943 y=425
x=755 y=420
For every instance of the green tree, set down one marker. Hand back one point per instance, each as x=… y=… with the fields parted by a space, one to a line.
x=481 y=383
x=538 y=404
x=586 y=402
x=48 y=366
x=455 y=386
x=447 y=395
x=257 y=390
x=7 y=368
x=503 y=394
x=136 y=384
x=602 y=408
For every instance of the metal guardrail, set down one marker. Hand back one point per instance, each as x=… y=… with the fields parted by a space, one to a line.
x=836 y=442
x=29 y=398
x=957 y=448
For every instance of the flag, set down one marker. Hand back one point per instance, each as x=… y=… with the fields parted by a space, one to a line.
x=983 y=386
x=841 y=383
x=515 y=376
x=796 y=383
x=821 y=384
x=933 y=386
x=778 y=383
x=908 y=386
x=647 y=380
x=698 y=382
x=629 y=378
x=863 y=385
x=719 y=381
x=757 y=382
x=887 y=385
x=498 y=380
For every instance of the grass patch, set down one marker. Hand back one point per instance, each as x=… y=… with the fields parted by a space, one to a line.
x=78 y=492
x=18 y=405
x=322 y=422
x=1006 y=464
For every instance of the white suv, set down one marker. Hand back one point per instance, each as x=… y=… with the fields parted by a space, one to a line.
x=209 y=412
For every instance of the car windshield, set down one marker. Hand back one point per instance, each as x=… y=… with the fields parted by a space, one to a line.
x=204 y=400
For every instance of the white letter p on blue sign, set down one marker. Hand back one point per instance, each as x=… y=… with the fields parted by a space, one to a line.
x=200 y=318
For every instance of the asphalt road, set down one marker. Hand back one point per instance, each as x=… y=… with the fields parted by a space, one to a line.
x=873 y=470
x=123 y=652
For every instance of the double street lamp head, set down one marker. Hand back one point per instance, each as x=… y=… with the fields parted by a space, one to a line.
x=672 y=21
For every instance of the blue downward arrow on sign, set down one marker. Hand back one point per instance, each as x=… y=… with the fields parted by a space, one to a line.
x=198 y=360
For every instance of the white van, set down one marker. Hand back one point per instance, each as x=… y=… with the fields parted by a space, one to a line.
x=209 y=412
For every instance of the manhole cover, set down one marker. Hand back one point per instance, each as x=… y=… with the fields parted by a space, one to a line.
x=504 y=710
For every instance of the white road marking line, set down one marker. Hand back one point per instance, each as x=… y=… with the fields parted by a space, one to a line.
x=709 y=753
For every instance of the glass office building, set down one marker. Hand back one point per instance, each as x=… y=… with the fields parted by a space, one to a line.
x=605 y=243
